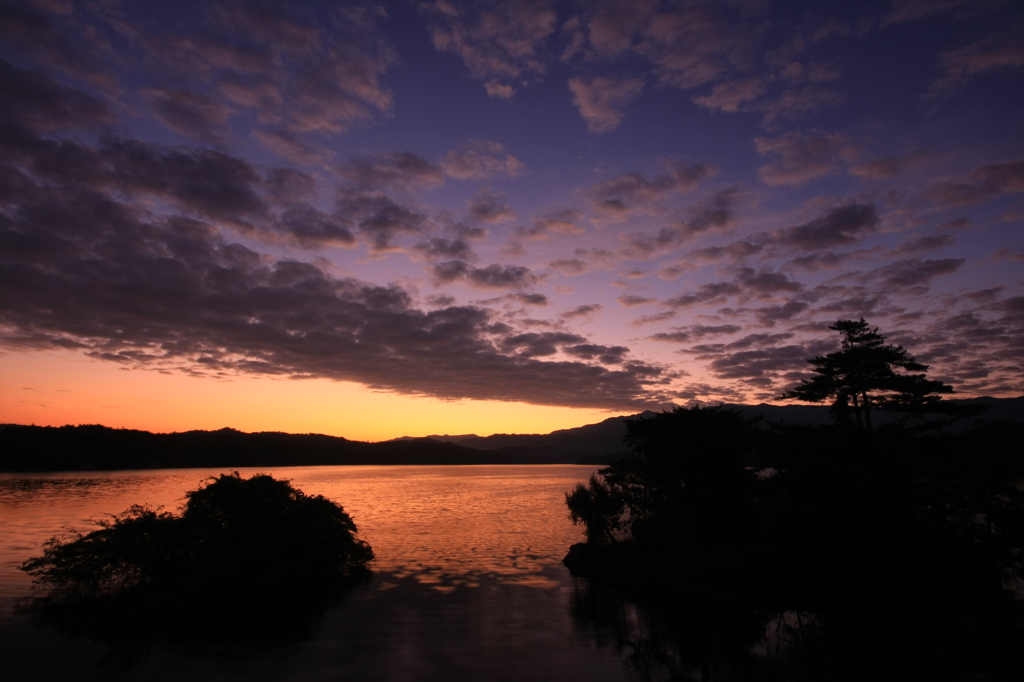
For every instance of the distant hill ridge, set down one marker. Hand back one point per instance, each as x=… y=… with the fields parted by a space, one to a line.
x=69 y=448
x=605 y=437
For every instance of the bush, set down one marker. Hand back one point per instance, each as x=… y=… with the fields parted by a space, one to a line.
x=245 y=558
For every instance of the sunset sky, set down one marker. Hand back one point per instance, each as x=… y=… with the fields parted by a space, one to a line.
x=403 y=218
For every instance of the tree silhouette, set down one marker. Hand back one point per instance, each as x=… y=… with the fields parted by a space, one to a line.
x=867 y=373
x=247 y=558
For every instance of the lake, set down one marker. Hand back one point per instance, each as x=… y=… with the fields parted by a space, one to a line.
x=468 y=581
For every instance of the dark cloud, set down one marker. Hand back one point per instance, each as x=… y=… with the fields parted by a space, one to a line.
x=912 y=271
x=607 y=355
x=838 y=227
x=687 y=44
x=924 y=244
x=189 y=113
x=630 y=300
x=501 y=44
x=715 y=213
x=477 y=159
x=531 y=299
x=695 y=332
x=768 y=316
x=534 y=344
x=634 y=191
x=602 y=100
x=582 y=311
x=561 y=221
x=747 y=283
x=885 y=168
x=494 y=276
x=393 y=172
x=81 y=271
x=437 y=248
x=490 y=207
x=653 y=319
x=379 y=218
x=1000 y=50
x=760 y=363
x=568 y=266
x=313 y=229
x=802 y=156
x=735 y=251
x=986 y=182
x=288 y=186
x=34 y=100
x=65 y=48
x=716 y=292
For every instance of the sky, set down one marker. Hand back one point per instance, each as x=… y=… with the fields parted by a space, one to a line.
x=406 y=218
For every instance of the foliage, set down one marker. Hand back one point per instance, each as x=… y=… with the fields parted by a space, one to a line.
x=685 y=480
x=896 y=545
x=863 y=375
x=244 y=556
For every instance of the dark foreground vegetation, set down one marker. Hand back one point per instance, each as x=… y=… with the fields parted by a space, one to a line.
x=885 y=553
x=246 y=561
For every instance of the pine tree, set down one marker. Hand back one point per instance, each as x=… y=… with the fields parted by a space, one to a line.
x=867 y=374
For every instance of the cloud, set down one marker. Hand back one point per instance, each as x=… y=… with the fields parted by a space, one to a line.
x=493 y=276
x=803 y=157
x=747 y=283
x=911 y=10
x=602 y=100
x=490 y=207
x=717 y=292
x=629 y=192
x=984 y=183
x=500 y=43
x=912 y=271
x=731 y=96
x=631 y=300
x=289 y=145
x=391 y=172
x=287 y=186
x=924 y=244
x=997 y=51
x=34 y=100
x=82 y=271
x=713 y=214
x=378 y=218
x=438 y=248
x=478 y=159
x=653 y=319
x=840 y=226
x=687 y=44
x=531 y=299
x=568 y=266
x=189 y=113
x=313 y=228
x=796 y=102
x=534 y=344
x=607 y=355
x=695 y=332
x=582 y=311
x=560 y=221
x=885 y=168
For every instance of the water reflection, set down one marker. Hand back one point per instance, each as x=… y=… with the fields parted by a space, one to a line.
x=468 y=580
x=680 y=637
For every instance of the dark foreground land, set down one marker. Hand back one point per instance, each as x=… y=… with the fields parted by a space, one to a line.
x=892 y=554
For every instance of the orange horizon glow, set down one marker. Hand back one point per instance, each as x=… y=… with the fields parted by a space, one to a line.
x=56 y=388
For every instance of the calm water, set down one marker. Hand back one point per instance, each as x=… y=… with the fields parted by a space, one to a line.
x=468 y=577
